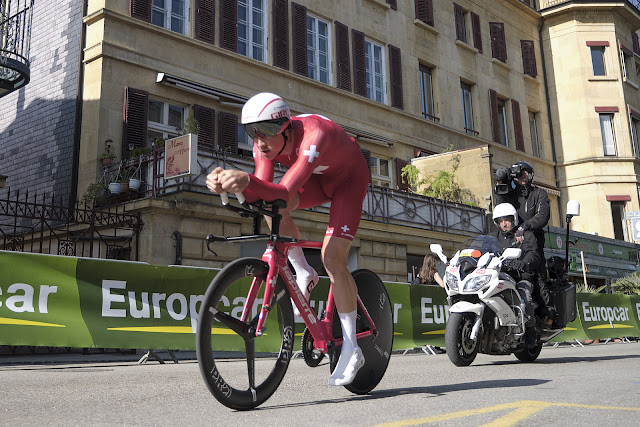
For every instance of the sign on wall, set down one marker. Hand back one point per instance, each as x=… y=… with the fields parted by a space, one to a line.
x=181 y=156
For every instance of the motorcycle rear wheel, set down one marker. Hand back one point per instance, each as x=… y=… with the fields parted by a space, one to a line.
x=529 y=354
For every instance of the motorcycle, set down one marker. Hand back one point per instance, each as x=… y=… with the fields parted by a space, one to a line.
x=486 y=312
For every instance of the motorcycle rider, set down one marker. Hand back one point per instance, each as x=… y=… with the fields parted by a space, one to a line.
x=524 y=269
x=532 y=204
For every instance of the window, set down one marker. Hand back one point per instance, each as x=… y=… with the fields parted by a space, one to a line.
x=461 y=27
x=628 y=64
x=374 y=63
x=467 y=108
x=424 y=11
x=617 y=215
x=318 y=50
x=252 y=34
x=635 y=135
x=502 y=121
x=498 y=41
x=245 y=143
x=171 y=14
x=381 y=172
x=533 y=127
x=608 y=134
x=597 y=60
x=426 y=92
x=529 y=66
x=165 y=120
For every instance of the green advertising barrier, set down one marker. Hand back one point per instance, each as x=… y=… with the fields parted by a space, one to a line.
x=607 y=316
x=58 y=301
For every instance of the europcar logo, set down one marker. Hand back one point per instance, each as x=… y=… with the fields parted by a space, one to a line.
x=591 y=313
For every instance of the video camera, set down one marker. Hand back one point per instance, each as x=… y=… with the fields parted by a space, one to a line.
x=505 y=177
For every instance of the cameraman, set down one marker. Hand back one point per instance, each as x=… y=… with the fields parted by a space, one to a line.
x=532 y=204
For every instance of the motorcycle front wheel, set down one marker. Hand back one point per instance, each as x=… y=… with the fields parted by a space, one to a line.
x=529 y=354
x=461 y=349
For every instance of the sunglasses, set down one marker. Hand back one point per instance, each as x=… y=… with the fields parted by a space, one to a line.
x=263 y=129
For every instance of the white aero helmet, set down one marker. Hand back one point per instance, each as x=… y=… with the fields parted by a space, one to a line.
x=505 y=209
x=265 y=115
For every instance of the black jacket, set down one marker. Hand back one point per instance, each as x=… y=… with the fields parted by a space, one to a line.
x=532 y=205
x=525 y=267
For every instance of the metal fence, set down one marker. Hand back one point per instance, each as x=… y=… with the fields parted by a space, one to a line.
x=49 y=225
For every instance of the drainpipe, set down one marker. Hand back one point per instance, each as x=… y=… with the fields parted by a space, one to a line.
x=77 y=132
x=546 y=92
x=177 y=236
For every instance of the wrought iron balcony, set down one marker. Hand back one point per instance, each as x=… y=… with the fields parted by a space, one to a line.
x=15 y=39
x=382 y=205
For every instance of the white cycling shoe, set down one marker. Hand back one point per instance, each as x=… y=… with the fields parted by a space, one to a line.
x=347 y=368
x=306 y=285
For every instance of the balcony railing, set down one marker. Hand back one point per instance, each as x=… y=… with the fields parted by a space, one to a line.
x=381 y=204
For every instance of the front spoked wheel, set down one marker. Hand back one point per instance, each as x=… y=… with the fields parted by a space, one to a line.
x=376 y=348
x=461 y=349
x=242 y=370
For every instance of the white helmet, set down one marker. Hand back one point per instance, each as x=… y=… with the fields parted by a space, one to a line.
x=265 y=114
x=505 y=209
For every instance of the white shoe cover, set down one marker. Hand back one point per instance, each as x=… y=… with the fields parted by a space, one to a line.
x=347 y=368
x=306 y=285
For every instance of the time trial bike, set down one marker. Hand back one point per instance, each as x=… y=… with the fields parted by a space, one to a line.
x=247 y=308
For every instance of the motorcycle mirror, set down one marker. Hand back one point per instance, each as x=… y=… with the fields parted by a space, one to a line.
x=512 y=253
x=437 y=249
x=573 y=208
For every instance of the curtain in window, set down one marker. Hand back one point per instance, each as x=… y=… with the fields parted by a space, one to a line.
x=608 y=140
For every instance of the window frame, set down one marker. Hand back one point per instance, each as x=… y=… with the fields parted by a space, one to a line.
x=375 y=169
x=602 y=50
x=635 y=135
x=369 y=78
x=465 y=113
x=428 y=113
x=460 y=21
x=619 y=222
x=628 y=65
x=504 y=125
x=249 y=43
x=168 y=16
x=168 y=131
x=315 y=53
x=534 y=133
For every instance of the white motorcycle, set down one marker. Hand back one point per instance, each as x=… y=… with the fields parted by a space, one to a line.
x=486 y=312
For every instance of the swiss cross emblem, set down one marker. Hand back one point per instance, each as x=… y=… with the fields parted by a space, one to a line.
x=312 y=153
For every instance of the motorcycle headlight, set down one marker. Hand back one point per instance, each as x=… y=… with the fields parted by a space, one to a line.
x=476 y=283
x=451 y=280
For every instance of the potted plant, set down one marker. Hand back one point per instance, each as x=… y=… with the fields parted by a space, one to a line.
x=140 y=151
x=107 y=156
x=96 y=192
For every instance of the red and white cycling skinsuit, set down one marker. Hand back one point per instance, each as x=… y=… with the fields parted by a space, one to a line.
x=327 y=164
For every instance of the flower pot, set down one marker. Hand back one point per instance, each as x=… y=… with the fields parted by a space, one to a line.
x=114 y=188
x=134 y=183
x=106 y=161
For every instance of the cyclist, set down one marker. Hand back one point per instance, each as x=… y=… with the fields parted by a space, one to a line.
x=325 y=164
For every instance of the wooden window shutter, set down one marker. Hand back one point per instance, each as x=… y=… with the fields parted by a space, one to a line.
x=498 y=42
x=459 y=17
x=359 y=64
x=529 y=58
x=395 y=61
x=206 y=118
x=367 y=157
x=229 y=25
x=299 y=34
x=135 y=117
x=401 y=183
x=228 y=132
x=424 y=11
x=281 y=33
x=517 y=125
x=140 y=9
x=495 y=122
x=636 y=43
x=393 y=4
x=342 y=54
x=205 y=20
x=475 y=29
